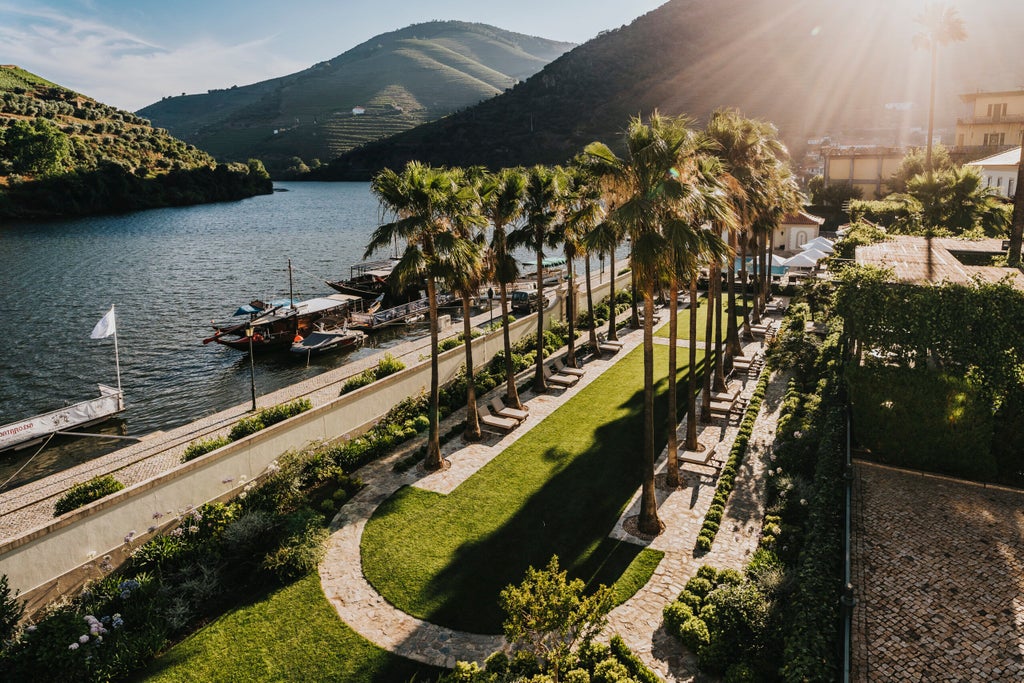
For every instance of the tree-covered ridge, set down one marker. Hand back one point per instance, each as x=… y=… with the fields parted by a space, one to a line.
x=399 y=80
x=64 y=154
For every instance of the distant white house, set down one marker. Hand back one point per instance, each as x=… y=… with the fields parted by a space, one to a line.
x=999 y=170
x=796 y=229
x=358 y=111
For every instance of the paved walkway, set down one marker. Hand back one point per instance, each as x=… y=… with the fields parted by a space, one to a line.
x=937 y=567
x=639 y=619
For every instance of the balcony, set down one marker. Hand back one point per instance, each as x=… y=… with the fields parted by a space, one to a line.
x=983 y=120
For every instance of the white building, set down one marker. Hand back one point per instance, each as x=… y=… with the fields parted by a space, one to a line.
x=796 y=229
x=999 y=170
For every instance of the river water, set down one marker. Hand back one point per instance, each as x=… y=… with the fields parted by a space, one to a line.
x=169 y=272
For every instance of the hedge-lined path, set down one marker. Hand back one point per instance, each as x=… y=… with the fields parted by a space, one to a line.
x=638 y=620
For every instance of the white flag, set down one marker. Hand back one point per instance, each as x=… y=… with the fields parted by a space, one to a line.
x=105 y=327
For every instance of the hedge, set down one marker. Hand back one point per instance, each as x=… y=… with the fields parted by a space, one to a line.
x=85 y=493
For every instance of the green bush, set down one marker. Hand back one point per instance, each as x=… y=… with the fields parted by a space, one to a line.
x=85 y=493
x=302 y=549
x=637 y=668
x=388 y=365
x=675 y=615
x=203 y=446
x=694 y=634
x=699 y=586
x=11 y=611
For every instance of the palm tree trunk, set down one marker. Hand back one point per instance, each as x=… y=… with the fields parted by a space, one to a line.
x=733 y=334
x=612 y=335
x=743 y=278
x=539 y=385
x=755 y=310
x=719 y=356
x=570 y=313
x=590 y=306
x=472 y=432
x=649 y=522
x=765 y=278
x=768 y=265
x=511 y=392
x=433 y=460
x=705 y=401
x=634 y=318
x=673 y=408
x=691 y=392
x=1017 y=226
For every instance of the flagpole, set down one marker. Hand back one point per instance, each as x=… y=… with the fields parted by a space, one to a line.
x=117 y=357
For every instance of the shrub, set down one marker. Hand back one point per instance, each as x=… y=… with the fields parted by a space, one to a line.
x=699 y=586
x=203 y=446
x=706 y=571
x=245 y=427
x=675 y=615
x=302 y=550
x=11 y=611
x=694 y=634
x=85 y=493
x=388 y=365
x=691 y=600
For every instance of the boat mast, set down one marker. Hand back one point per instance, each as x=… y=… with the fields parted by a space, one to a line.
x=291 y=292
x=117 y=357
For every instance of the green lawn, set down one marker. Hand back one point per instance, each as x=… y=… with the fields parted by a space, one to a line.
x=557 y=490
x=292 y=634
x=683 y=319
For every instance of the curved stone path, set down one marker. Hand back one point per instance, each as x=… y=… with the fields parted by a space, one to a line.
x=639 y=619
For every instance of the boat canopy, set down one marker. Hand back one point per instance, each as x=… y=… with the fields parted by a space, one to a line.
x=548 y=262
x=249 y=309
x=321 y=304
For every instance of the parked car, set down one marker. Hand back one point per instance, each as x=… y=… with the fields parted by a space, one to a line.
x=525 y=301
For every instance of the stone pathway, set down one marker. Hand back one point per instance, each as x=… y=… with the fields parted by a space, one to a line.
x=639 y=619
x=937 y=567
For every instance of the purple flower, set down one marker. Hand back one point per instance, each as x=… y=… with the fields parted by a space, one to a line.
x=73 y=646
x=157 y=515
x=83 y=639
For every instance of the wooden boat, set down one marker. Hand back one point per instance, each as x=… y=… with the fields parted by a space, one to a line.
x=328 y=335
x=274 y=325
x=367 y=279
x=25 y=433
x=414 y=311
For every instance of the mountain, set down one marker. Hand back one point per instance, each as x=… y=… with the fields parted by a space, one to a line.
x=65 y=154
x=811 y=67
x=399 y=80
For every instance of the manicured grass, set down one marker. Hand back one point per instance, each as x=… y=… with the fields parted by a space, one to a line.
x=683 y=319
x=637 y=574
x=557 y=490
x=293 y=634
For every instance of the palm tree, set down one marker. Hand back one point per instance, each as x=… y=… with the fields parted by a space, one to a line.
x=605 y=238
x=1017 y=229
x=429 y=205
x=689 y=246
x=541 y=203
x=583 y=213
x=502 y=204
x=940 y=26
x=466 y=283
x=650 y=184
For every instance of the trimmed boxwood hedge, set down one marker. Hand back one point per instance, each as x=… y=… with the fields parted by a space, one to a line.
x=85 y=493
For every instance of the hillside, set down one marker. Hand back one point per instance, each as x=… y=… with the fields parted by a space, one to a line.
x=400 y=80
x=65 y=154
x=810 y=67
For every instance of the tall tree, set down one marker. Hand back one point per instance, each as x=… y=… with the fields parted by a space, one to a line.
x=583 y=214
x=940 y=26
x=650 y=185
x=1017 y=226
x=466 y=283
x=605 y=238
x=542 y=207
x=429 y=205
x=502 y=204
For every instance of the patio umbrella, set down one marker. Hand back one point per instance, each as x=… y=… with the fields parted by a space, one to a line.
x=804 y=260
x=820 y=243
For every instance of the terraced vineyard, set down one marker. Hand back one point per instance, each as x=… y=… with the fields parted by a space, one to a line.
x=401 y=79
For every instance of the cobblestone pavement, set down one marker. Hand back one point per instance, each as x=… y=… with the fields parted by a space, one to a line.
x=638 y=620
x=937 y=570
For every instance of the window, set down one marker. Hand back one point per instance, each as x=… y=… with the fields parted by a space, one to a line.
x=1009 y=188
x=994 y=139
x=999 y=181
x=988 y=181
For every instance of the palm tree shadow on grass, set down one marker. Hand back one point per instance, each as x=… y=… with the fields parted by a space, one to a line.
x=569 y=516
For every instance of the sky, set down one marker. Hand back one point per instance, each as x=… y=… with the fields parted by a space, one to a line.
x=130 y=53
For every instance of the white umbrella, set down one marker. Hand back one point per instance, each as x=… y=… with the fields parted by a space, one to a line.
x=778 y=260
x=824 y=245
x=804 y=260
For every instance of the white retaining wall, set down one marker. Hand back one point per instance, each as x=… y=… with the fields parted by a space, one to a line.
x=52 y=559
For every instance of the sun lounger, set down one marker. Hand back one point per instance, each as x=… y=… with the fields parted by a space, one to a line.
x=501 y=410
x=604 y=344
x=697 y=457
x=564 y=369
x=503 y=424
x=730 y=394
x=559 y=380
x=721 y=407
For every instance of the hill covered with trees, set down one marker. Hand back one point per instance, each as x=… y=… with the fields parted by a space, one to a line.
x=65 y=154
x=388 y=84
x=810 y=67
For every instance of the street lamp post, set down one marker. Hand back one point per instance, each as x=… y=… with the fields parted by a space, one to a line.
x=490 y=306
x=252 y=368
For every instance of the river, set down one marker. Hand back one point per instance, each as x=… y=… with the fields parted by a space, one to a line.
x=169 y=272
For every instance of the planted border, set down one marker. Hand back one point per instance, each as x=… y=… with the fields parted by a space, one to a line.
x=246 y=426
x=86 y=492
x=726 y=480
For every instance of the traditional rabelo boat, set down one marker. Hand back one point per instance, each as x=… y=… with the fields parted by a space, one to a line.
x=367 y=279
x=276 y=324
x=34 y=430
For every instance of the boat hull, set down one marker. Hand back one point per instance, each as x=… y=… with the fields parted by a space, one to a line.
x=33 y=430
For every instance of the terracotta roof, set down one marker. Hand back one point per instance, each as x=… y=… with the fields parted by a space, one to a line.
x=801 y=218
x=907 y=256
